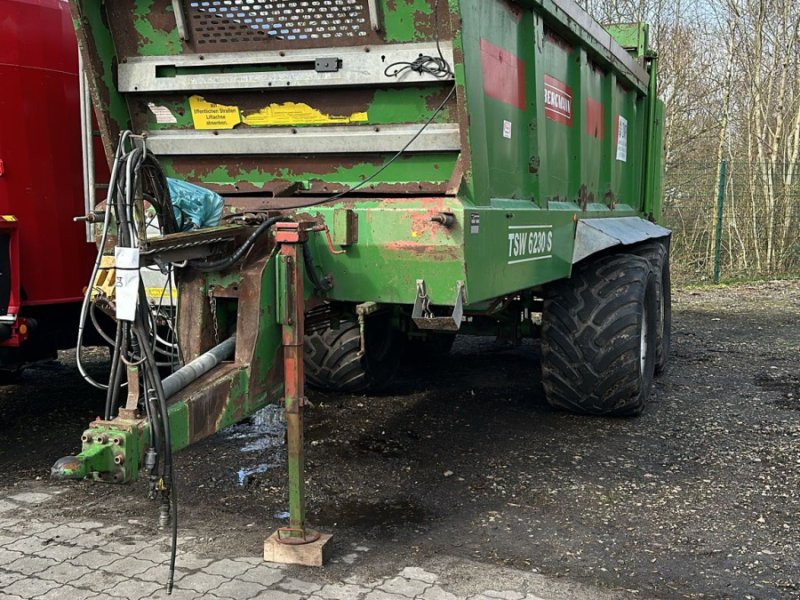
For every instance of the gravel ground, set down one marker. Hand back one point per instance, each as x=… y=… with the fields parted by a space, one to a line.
x=461 y=459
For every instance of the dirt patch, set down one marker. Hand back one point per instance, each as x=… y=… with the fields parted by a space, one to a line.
x=698 y=497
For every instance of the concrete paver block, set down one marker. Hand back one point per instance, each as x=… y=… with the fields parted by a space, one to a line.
x=227 y=568
x=437 y=593
x=382 y=595
x=98 y=580
x=134 y=589
x=420 y=574
x=277 y=595
x=263 y=574
x=410 y=588
x=128 y=566
x=201 y=582
x=94 y=559
x=64 y=572
x=30 y=497
x=30 y=565
x=68 y=592
x=239 y=589
x=30 y=587
x=291 y=584
x=341 y=591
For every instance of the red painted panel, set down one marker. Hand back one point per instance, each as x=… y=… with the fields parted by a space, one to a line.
x=40 y=146
x=557 y=101
x=595 y=122
x=503 y=75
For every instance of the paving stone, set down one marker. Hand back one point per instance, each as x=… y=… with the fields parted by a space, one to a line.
x=191 y=561
x=7 y=506
x=4 y=596
x=437 y=593
x=128 y=566
x=30 y=587
x=133 y=589
x=30 y=497
x=382 y=595
x=60 y=552
x=99 y=581
x=420 y=574
x=297 y=585
x=86 y=524
x=27 y=545
x=9 y=556
x=68 y=592
x=30 y=565
x=409 y=588
x=64 y=572
x=8 y=577
x=154 y=554
x=94 y=559
x=178 y=594
x=238 y=589
x=263 y=574
x=57 y=532
x=160 y=574
x=26 y=527
x=7 y=522
x=6 y=539
x=508 y=595
x=129 y=549
x=227 y=568
x=341 y=591
x=90 y=539
x=201 y=582
x=277 y=595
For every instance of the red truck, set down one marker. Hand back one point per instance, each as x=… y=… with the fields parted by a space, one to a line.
x=45 y=257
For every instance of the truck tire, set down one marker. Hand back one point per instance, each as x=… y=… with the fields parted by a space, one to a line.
x=333 y=360
x=598 y=328
x=657 y=252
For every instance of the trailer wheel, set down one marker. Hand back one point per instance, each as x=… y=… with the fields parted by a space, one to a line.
x=598 y=332
x=333 y=359
x=657 y=252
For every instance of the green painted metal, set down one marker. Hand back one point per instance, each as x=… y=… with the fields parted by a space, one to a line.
x=634 y=37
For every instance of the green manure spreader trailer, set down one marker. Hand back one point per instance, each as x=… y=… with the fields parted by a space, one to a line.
x=394 y=173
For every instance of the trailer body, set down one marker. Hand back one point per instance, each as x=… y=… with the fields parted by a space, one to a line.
x=448 y=166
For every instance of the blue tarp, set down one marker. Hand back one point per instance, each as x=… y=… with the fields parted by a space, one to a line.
x=195 y=207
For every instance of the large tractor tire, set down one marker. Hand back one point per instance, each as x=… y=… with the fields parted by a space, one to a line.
x=657 y=252
x=333 y=358
x=598 y=337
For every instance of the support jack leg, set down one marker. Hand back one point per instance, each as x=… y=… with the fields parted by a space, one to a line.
x=295 y=544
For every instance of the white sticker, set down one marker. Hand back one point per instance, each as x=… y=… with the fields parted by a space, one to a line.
x=507 y=129
x=126 y=261
x=622 y=139
x=163 y=114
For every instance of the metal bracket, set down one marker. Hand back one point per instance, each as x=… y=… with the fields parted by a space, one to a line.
x=375 y=16
x=423 y=316
x=180 y=20
x=327 y=65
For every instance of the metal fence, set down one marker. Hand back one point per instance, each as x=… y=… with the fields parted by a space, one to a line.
x=758 y=234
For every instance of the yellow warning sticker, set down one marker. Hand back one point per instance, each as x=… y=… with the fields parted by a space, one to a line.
x=207 y=115
x=298 y=113
x=159 y=293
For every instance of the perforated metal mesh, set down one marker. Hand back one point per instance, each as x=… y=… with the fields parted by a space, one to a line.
x=222 y=22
